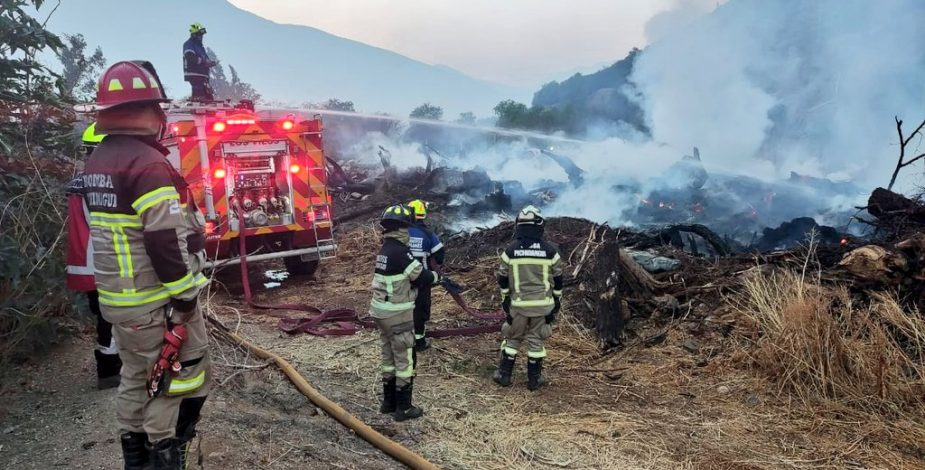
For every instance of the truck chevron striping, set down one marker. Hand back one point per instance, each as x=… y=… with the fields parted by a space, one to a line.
x=270 y=164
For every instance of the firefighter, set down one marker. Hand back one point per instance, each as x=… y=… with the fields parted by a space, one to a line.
x=80 y=271
x=397 y=277
x=531 y=302
x=427 y=249
x=196 y=64
x=148 y=249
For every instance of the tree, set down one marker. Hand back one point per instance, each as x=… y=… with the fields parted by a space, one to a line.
x=510 y=113
x=903 y=142
x=36 y=134
x=466 y=118
x=427 y=111
x=80 y=70
x=234 y=89
x=335 y=104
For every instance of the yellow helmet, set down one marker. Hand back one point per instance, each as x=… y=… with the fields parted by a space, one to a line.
x=197 y=28
x=420 y=209
x=91 y=139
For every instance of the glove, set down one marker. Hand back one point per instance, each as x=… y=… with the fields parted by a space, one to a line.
x=450 y=285
x=551 y=318
x=506 y=306
x=168 y=363
x=437 y=279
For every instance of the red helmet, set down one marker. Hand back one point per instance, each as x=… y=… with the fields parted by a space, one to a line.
x=128 y=82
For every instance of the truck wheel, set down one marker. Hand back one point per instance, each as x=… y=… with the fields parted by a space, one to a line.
x=297 y=267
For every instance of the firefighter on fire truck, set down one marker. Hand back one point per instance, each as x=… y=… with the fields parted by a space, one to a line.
x=427 y=249
x=148 y=251
x=396 y=278
x=531 y=302
x=80 y=271
x=196 y=64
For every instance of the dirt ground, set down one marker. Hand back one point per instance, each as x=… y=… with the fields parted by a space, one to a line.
x=682 y=401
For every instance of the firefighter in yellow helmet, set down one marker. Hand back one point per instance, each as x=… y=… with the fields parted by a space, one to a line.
x=148 y=248
x=80 y=271
x=197 y=63
x=397 y=277
x=427 y=249
x=531 y=301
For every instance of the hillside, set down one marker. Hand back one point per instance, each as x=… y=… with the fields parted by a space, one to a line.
x=284 y=62
x=598 y=97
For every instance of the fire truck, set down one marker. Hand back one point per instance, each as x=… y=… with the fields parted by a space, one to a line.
x=257 y=171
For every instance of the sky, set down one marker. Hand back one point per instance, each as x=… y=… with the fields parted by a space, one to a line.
x=521 y=43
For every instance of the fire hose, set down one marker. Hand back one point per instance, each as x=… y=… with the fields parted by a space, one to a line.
x=390 y=447
x=347 y=321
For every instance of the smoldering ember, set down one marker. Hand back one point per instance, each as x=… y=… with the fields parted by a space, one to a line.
x=613 y=235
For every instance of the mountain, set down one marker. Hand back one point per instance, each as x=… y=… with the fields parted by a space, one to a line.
x=287 y=63
x=599 y=98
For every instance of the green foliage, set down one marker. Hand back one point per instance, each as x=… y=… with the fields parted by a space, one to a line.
x=335 y=104
x=427 y=111
x=36 y=136
x=514 y=115
x=233 y=89
x=466 y=118
x=80 y=71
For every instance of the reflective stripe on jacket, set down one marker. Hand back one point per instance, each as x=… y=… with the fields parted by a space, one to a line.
x=397 y=273
x=530 y=273
x=146 y=229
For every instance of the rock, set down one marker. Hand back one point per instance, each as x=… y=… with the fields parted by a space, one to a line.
x=874 y=263
x=88 y=445
x=752 y=400
x=691 y=345
x=723 y=390
x=654 y=263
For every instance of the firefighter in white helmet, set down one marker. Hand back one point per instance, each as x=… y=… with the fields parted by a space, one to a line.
x=530 y=278
x=395 y=281
x=148 y=251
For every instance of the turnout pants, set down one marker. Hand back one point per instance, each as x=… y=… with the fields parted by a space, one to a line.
x=174 y=412
x=201 y=89
x=534 y=330
x=397 y=342
x=106 y=352
x=421 y=311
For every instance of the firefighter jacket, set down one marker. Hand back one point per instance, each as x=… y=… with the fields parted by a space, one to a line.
x=79 y=245
x=397 y=276
x=195 y=59
x=425 y=245
x=530 y=273
x=147 y=231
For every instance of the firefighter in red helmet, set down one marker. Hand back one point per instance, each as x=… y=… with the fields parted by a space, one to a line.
x=148 y=247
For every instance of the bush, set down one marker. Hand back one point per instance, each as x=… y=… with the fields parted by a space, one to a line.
x=819 y=343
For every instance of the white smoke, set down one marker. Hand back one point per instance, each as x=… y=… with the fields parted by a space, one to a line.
x=811 y=86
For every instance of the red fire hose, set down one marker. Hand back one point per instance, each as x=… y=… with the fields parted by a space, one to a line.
x=346 y=321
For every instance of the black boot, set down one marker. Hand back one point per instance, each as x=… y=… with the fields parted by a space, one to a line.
x=165 y=455
x=108 y=367
x=187 y=418
x=421 y=344
x=388 y=395
x=535 y=378
x=404 y=409
x=505 y=369
x=134 y=450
